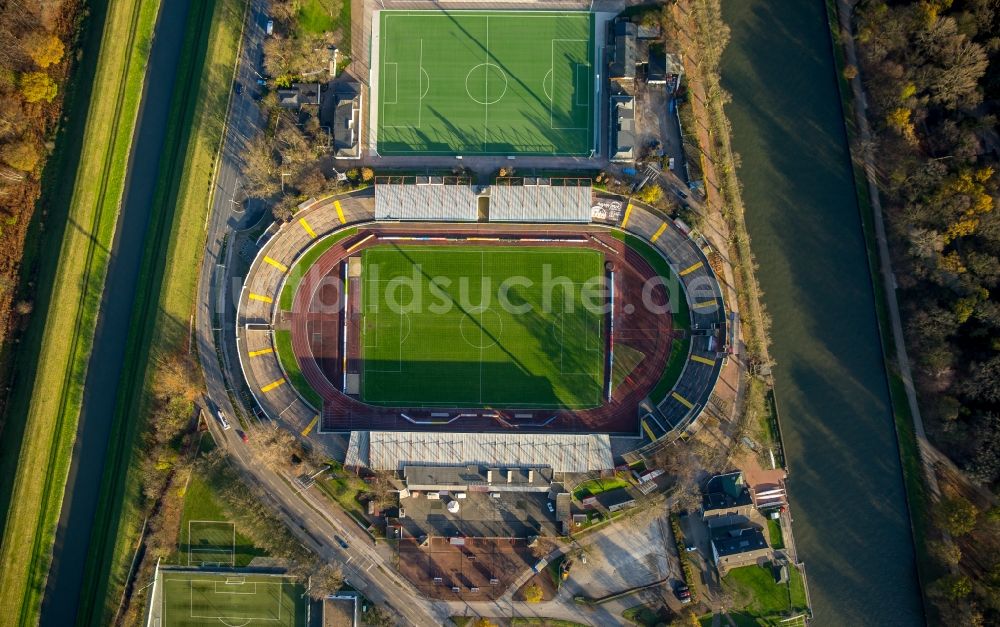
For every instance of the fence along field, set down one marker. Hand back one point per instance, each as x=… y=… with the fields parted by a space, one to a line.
x=475 y=355
x=472 y=82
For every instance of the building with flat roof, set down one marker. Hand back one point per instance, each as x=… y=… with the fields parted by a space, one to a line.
x=623 y=131
x=477 y=479
x=394 y=450
x=733 y=547
x=656 y=66
x=615 y=500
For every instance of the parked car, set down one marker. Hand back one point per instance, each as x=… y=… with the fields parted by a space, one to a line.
x=680 y=193
x=269 y=28
x=239 y=88
x=551 y=508
x=243 y=436
x=340 y=541
x=683 y=593
x=222 y=419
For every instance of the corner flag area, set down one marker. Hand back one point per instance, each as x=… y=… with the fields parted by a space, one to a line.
x=485 y=83
x=193 y=599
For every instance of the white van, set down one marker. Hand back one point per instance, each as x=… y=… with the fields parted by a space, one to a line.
x=222 y=420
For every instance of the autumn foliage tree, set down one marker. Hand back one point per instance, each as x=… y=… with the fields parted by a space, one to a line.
x=43 y=48
x=22 y=155
x=38 y=86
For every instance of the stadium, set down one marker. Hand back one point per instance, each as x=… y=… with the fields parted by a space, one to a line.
x=437 y=306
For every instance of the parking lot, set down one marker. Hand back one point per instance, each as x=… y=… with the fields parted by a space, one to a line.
x=639 y=554
x=512 y=515
x=476 y=570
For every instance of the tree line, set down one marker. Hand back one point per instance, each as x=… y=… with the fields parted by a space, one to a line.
x=931 y=69
x=35 y=38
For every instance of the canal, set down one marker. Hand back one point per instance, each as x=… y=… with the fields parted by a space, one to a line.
x=846 y=488
x=83 y=488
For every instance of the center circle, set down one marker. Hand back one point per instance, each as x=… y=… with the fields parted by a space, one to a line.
x=481 y=328
x=486 y=83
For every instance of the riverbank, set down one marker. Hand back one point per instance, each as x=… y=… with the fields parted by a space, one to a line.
x=49 y=392
x=847 y=492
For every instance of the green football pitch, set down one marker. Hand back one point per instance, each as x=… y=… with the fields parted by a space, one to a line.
x=486 y=83
x=481 y=327
x=192 y=599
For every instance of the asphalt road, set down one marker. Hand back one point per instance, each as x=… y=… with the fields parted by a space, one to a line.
x=362 y=566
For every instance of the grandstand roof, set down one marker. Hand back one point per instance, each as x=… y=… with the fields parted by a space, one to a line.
x=431 y=198
x=539 y=199
x=392 y=450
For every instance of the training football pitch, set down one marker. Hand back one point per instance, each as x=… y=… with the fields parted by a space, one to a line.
x=485 y=83
x=192 y=599
x=482 y=327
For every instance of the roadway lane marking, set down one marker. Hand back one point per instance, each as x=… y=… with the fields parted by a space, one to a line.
x=308 y=228
x=263 y=351
x=703 y=360
x=688 y=270
x=685 y=402
x=340 y=212
x=277 y=264
x=272 y=385
x=261 y=298
x=705 y=304
x=312 y=424
x=659 y=232
x=628 y=213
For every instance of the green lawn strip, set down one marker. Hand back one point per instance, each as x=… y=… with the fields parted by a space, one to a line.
x=283 y=345
x=544 y=622
x=303 y=263
x=597 y=486
x=344 y=489
x=758 y=596
x=53 y=405
x=777 y=540
x=168 y=283
x=909 y=449
x=201 y=504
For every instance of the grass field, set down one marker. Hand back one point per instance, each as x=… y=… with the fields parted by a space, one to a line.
x=166 y=301
x=761 y=601
x=193 y=599
x=50 y=390
x=472 y=82
x=204 y=526
x=456 y=347
x=283 y=346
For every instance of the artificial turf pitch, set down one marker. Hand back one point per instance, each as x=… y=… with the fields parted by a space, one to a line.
x=461 y=345
x=212 y=599
x=487 y=83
